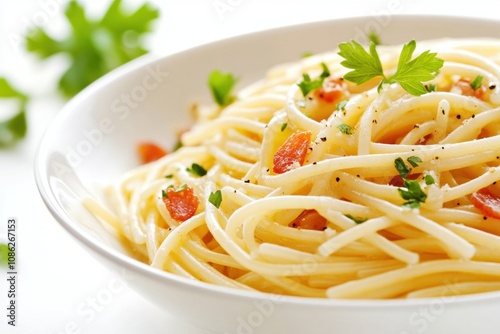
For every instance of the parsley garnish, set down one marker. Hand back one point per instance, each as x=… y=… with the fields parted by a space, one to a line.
x=428 y=179
x=307 y=54
x=345 y=129
x=197 y=170
x=341 y=105
x=410 y=73
x=414 y=161
x=355 y=219
x=307 y=85
x=15 y=127
x=215 y=198
x=164 y=194
x=283 y=126
x=431 y=87
x=221 y=86
x=413 y=194
x=374 y=38
x=169 y=176
x=95 y=47
x=477 y=82
x=181 y=188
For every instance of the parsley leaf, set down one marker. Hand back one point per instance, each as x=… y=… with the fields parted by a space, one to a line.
x=215 y=198
x=341 y=105
x=414 y=161
x=283 y=126
x=413 y=194
x=428 y=179
x=355 y=219
x=401 y=167
x=307 y=85
x=15 y=127
x=477 y=82
x=374 y=37
x=95 y=47
x=345 y=129
x=409 y=74
x=221 y=86
x=197 y=170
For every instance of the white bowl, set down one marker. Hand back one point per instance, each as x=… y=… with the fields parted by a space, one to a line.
x=93 y=140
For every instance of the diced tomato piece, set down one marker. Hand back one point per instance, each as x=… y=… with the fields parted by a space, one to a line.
x=488 y=203
x=149 y=152
x=181 y=203
x=467 y=90
x=309 y=220
x=293 y=150
x=332 y=90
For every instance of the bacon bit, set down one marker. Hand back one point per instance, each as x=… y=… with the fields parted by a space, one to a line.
x=332 y=90
x=467 y=90
x=181 y=203
x=488 y=203
x=293 y=150
x=149 y=152
x=309 y=220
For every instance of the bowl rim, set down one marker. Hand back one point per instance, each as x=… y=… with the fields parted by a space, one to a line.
x=128 y=263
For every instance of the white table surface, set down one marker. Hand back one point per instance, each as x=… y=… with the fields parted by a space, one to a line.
x=62 y=289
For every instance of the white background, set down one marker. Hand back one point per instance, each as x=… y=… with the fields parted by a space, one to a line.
x=61 y=289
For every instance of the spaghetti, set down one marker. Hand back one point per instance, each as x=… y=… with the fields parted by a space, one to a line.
x=303 y=195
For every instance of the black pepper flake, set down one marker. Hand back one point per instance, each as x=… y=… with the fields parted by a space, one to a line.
x=498 y=157
x=323 y=139
x=310 y=148
x=374 y=121
x=314 y=163
x=337 y=179
x=357 y=175
x=442 y=147
x=294 y=224
x=235 y=191
x=324 y=228
x=436 y=157
x=459 y=116
x=247 y=181
x=267 y=170
x=492 y=86
x=485 y=218
x=495 y=182
x=473 y=116
x=442 y=111
x=416 y=126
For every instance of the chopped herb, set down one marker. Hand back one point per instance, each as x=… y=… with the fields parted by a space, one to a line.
x=221 y=86
x=374 y=38
x=413 y=194
x=283 y=126
x=197 y=170
x=414 y=161
x=428 y=179
x=356 y=220
x=181 y=188
x=341 y=105
x=164 y=194
x=215 y=198
x=178 y=145
x=307 y=85
x=307 y=54
x=345 y=129
x=409 y=74
x=477 y=82
x=401 y=167
x=169 y=176
x=431 y=87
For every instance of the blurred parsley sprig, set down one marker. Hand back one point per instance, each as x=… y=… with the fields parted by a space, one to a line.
x=13 y=128
x=95 y=46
